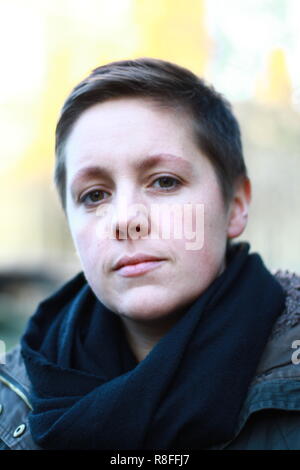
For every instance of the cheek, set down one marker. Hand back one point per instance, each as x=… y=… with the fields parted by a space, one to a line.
x=202 y=249
x=215 y=229
x=88 y=245
x=215 y=238
x=195 y=270
x=200 y=228
x=181 y=221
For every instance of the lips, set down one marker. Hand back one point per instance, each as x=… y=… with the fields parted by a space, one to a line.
x=135 y=259
x=139 y=269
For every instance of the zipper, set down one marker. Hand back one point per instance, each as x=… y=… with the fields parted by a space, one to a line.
x=16 y=389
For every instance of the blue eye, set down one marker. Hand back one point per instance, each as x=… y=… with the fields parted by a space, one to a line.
x=168 y=182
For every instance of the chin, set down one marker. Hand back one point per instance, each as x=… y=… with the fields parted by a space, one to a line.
x=144 y=317
x=142 y=314
x=153 y=314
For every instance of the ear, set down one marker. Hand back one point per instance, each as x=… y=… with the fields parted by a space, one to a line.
x=239 y=207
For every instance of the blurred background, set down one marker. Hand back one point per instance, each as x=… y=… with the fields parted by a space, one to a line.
x=249 y=50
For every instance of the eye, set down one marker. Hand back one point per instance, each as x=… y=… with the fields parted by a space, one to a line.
x=93 y=197
x=167 y=183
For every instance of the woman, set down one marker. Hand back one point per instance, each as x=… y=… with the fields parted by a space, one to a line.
x=172 y=336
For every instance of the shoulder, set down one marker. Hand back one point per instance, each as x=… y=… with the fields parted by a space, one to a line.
x=285 y=334
x=270 y=417
x=290 y=318
x=14 y=404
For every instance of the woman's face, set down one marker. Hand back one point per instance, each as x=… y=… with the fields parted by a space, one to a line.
x=130 y=165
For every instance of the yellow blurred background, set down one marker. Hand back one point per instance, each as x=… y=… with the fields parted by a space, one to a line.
x=249 y=50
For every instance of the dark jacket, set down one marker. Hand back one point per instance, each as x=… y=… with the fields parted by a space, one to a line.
x=270 y=416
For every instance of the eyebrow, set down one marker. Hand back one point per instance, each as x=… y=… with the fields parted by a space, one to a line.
x=98 y=171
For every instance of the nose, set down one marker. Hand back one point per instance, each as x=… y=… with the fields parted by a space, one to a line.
x=131 y=218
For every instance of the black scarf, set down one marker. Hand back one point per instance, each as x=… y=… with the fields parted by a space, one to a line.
x=89 y=392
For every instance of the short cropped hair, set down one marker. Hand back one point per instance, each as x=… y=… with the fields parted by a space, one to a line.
x=216 y=130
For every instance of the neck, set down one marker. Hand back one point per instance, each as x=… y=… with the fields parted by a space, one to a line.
x=143 y=336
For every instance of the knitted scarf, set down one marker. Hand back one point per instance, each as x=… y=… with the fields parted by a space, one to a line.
x=89 y=391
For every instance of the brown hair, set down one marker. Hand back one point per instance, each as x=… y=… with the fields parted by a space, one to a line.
x=216 y=129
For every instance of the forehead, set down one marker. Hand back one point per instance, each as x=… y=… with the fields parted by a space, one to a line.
x=128 y=131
